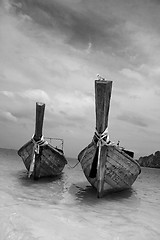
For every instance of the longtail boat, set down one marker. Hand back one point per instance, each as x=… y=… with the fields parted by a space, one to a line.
x=107 y=166
x=40 y=158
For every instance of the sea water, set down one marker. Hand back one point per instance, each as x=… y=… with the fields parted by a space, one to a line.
x=67 y=207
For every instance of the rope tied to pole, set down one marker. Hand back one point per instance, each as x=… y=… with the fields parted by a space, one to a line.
x=38 y=144
x=100 y=139
x=36 y=150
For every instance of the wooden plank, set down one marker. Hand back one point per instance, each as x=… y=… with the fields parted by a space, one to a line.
x=103 y=90
x=40 y=107
x=102 y=101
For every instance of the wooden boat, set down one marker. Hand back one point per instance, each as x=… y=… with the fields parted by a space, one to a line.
x=107 y=166
x=41 y=158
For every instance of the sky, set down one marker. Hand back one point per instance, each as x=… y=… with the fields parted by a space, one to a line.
x=51 y=51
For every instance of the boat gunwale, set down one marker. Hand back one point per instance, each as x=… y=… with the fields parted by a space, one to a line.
x=126 y=155
x=53 y=148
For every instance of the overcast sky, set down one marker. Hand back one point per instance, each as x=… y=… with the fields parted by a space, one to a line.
x=52 y=50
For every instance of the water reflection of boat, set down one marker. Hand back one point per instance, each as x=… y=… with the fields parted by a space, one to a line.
x=40 y=157
x=107 y=166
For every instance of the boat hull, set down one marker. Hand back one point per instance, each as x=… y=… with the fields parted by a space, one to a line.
x=115 y=170
x=49 y=162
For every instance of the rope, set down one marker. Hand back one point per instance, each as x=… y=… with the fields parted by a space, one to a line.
x=101 y=139
x=36 y=147
x=80 y=160
x=74 y=165
x=38 y=144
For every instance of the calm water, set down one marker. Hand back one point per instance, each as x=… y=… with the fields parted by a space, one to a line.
x=67 y=207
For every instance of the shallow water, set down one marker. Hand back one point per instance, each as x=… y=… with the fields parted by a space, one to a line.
x=67 y=207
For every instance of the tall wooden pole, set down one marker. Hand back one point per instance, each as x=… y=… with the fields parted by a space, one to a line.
x=40 y=107
x=103 y=90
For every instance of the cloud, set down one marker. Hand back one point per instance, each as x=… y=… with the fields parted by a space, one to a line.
x=7 y=93
x=71 y=107
x=157 y=92
x=78 y=28
x=35 y=95
x=31 y=94
x=51 y=51
x=7 y=116
x=133 y=118
x=131 y=74
x=20 y=106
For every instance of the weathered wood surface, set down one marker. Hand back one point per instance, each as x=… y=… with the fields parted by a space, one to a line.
x=52 y=161
x=106 y=166
x=118 y=170
x=48 y=161
x=40 y=108
x=102 y=103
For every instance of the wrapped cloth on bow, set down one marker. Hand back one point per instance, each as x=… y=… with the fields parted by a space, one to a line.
x=36 y=150
x=100 y=139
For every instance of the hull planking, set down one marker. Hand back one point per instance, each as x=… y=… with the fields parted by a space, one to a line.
x=49 y=162
x=106 y=166
x=40 y=158
x=115 y=170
